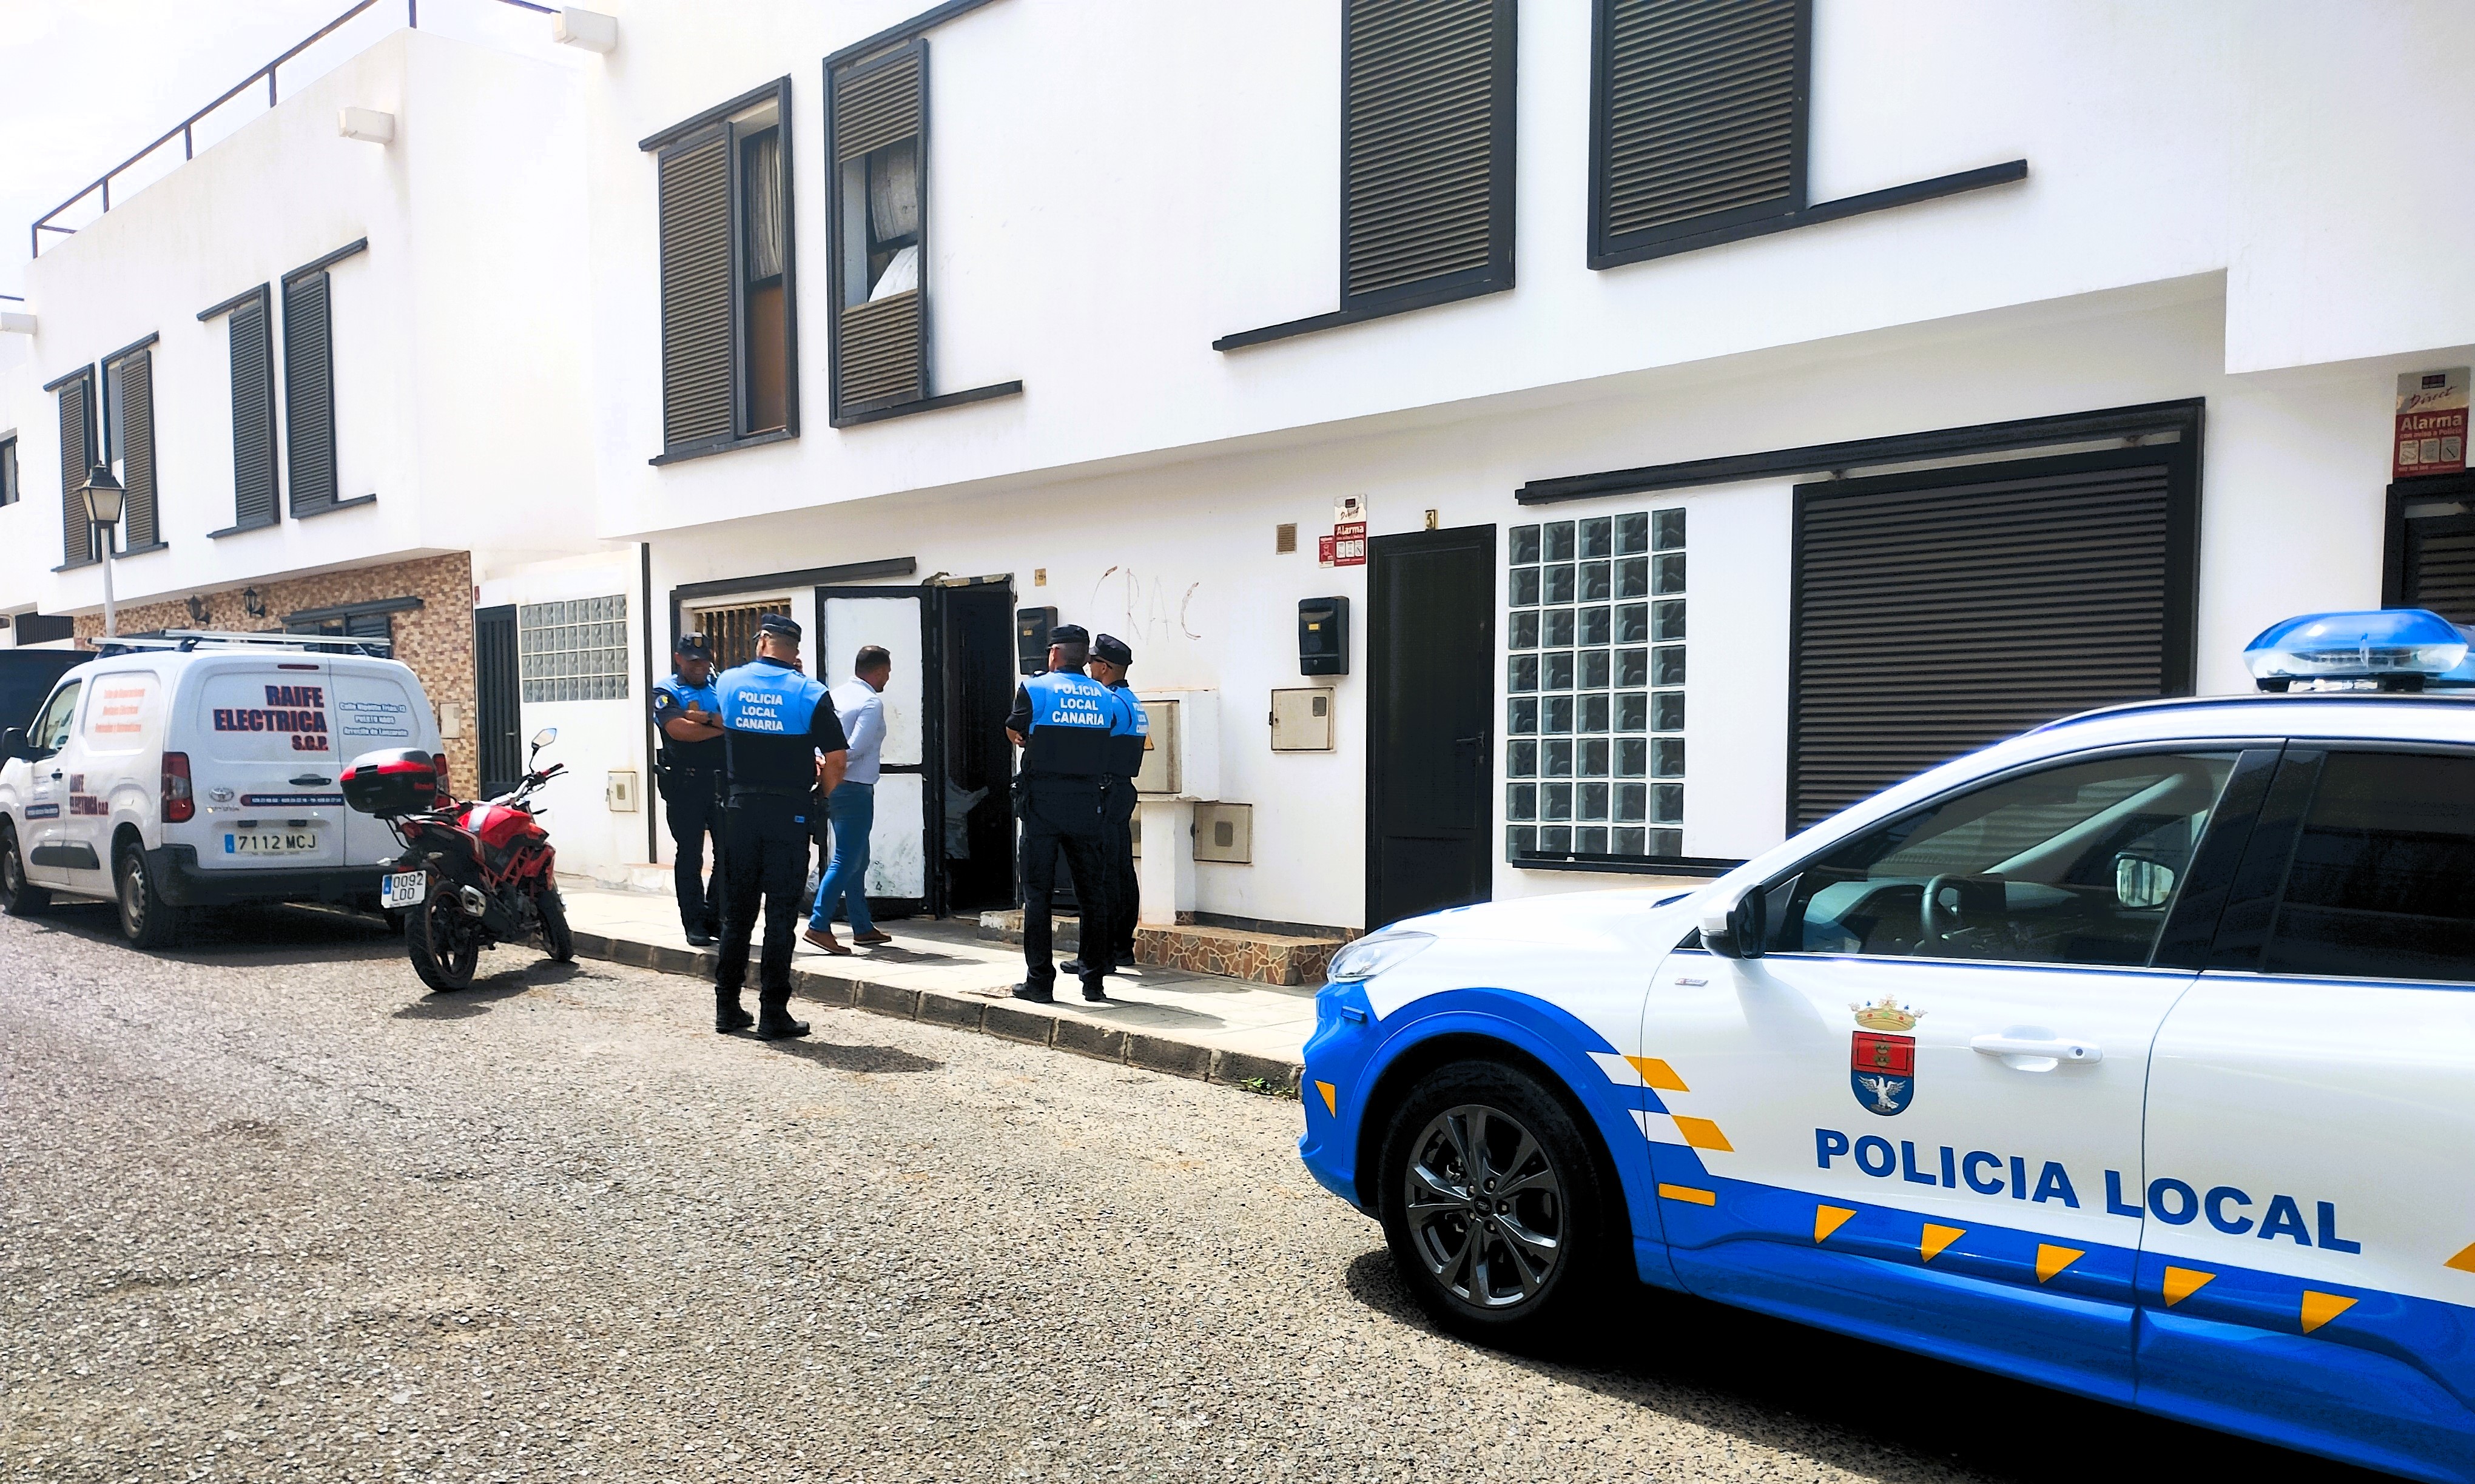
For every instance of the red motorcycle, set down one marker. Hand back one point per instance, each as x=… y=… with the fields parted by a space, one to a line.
x=473 y=875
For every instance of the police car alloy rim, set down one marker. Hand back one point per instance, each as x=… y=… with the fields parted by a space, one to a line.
x=1485 y=1209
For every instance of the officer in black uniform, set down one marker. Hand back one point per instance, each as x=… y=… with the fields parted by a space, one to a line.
x=686 y=712
x=1060 y=720
x=781 y=743
x=1128 y=733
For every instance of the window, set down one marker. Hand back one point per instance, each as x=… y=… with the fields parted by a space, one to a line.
x=2072 y=865
x=575 y=651
x=50 y=732
x=729 y=347
x=128 y=443
x=880 y=128
x=75 y=394
x=1426 y=159
x=2379 y=883
x=309 y=394
x=1594 y=689
x=9 y=470
x=731 y=632
x=1698 y=127
x=249 y=330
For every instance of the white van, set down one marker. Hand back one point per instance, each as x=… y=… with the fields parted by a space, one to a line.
x=202 y=770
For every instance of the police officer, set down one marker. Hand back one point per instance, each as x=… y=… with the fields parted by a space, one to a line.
x=687 y=713
x=1128 y=731
x=1060 y=720
x=781 y=743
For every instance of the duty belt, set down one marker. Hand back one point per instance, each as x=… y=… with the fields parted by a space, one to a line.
x=769 y=790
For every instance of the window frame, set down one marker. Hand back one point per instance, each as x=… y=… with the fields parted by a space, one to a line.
x=110 y=444
x=693 y=131
x=75 y=689
x=837 y=241
x=12 y=489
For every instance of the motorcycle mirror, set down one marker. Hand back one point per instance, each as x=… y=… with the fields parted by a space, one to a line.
x=545 y=737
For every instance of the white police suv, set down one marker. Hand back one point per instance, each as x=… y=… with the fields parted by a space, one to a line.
x=2134 y=1056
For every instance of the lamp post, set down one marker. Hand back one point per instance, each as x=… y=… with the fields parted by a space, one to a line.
x=104 y=498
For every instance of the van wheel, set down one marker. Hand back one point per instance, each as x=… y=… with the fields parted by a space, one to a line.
x=1496 y=1213
x=558 y=940
x=146 y=919
x=444 y=944
x=20 y=897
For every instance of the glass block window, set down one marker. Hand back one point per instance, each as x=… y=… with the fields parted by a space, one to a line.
x=1594 y=688
x=575 y=651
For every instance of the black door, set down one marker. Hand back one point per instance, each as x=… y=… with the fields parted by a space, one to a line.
x=1431 y=650
x=500 y=699
x=977 y=663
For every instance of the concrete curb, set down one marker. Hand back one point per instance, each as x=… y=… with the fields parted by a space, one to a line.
x=1012 y=1020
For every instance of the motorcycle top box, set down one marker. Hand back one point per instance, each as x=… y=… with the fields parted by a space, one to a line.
x=392 y=783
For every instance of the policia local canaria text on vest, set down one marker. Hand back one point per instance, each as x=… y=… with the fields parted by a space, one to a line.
x=1128 y=733
x=687 y=711
x=1062 y=719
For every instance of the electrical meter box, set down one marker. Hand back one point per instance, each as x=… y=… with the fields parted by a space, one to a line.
x=1323 y=635
x=1302 y=719
x=1032 y=627
x=1182 y=755
x=1225 y=832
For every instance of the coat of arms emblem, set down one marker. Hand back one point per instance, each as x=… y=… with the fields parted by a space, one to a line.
x=1882 y=1065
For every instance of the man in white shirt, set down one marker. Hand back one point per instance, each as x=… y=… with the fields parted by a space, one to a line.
x=860 y=703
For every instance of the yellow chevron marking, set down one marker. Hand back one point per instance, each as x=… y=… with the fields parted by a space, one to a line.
x=2465 y=1262
x=1658 y=1074
x=1330 y=1098
x=2183 y=1282
x=1688 y=1193
x=1702 y=1133
x=2319 y=1308
x=1828 y=1219
x=2051 y=1259
x=1936 y=1239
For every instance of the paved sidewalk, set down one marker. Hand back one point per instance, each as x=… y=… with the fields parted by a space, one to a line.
x=1163 y=1020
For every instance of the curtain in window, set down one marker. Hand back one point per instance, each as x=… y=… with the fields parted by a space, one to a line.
x=893 y=193
x=761 y=188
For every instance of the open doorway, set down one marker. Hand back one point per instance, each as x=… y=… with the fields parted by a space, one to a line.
x=977 y=665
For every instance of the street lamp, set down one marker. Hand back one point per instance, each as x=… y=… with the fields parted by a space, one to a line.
x=103 y=496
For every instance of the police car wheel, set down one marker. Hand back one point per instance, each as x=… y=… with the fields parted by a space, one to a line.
x=18 y=896
x=146 y=919
x=1494 y=1208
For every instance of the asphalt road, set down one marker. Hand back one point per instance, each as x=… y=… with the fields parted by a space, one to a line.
x=268 y=1211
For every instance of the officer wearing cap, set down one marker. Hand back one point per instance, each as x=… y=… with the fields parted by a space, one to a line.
x=687 y=713
x=1128 y=731
x=781 y=744
x=1060 y=720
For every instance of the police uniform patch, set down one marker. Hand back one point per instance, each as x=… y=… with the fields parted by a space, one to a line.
x=1882 y=1065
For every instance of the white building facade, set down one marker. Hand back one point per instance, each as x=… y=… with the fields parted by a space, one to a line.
x=1745 y=406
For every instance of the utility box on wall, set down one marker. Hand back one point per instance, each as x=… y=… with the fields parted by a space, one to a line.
x=1032 y=627
x=1225 y=832
x=619 y=792
x=1302 y=719
x=1182 y=755
x=1323 y=635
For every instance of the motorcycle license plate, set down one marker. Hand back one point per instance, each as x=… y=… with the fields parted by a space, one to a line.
x=271 y=843
x=403 y=889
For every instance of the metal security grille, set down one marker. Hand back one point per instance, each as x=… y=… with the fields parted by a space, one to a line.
x=1594 y=688
x=253 y=414
x=498 y=710
x=1936 y=614
x=731 y=632
x=694 y=191
x=141 y=528
x=77 y=457
x=308 y=394
x=1425 y=93
x=574 y=650
x=1701 y=114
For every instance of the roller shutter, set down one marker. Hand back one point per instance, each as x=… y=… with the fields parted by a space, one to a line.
x=694 y=191
x=77 y=457
x=308 y=394
x=253 y=415
x=1427 y=152
x=1699 y=118
x=1936 y=614
x=2439 y=568
x=880 y=345
x=141 y=526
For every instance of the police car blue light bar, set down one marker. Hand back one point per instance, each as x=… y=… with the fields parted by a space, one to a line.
x=2396 y=648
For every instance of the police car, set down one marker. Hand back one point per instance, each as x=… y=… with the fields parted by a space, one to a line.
x=2134 y=1056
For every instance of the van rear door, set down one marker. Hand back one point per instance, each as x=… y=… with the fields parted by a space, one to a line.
x=378 y=707
x=264 y=763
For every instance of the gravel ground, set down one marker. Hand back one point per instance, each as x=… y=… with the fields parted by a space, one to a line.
x=267 y=1211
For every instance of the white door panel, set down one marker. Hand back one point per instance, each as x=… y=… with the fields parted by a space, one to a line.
x=897 y=863
x=894 y=622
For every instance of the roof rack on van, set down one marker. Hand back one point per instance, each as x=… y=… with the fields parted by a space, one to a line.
x=186 y=640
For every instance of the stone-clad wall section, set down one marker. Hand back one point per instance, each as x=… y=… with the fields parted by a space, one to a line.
x=435 y=640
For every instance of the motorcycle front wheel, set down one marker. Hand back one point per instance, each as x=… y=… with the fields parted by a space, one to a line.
x=558 y=940
x=444 y=944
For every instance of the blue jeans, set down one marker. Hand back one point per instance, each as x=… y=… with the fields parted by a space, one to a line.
x=852 y=808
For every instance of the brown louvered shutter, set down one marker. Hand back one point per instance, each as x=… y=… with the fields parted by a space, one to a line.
x=1427 y=144
x=77 y=457
x=308 y=394
x=1935 y=615
x=1700 y=117
x=140 y=527
x=694 y=192
x=880 y=346
x=2439 y=571
x=253 y=415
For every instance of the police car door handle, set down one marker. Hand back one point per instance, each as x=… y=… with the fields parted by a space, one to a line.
x=2076 y=1052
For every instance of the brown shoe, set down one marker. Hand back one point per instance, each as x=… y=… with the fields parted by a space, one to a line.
x=871 y=940
x=823 y=937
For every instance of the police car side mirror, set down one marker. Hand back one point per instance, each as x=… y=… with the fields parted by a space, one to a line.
x=13 y=745
x=1737 y=929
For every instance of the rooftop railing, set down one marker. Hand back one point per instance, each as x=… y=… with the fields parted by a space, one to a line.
x=186 y=131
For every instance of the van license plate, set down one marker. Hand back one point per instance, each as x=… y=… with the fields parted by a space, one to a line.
x=271 y=843
x=403 y=889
